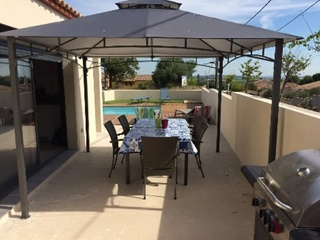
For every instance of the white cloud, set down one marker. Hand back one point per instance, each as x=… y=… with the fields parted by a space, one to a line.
x=232 y=10
x=267 y=21
x=274 y=15
x=242 y=10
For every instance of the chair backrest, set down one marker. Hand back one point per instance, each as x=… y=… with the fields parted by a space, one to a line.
x=199 y=134
x=164 y=93
x=196 y=124
x=124 y=123
x=113 y=135
x=159 y=153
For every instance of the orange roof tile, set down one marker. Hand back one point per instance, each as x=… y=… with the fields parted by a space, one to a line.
x=142 y=77
x=63 y=8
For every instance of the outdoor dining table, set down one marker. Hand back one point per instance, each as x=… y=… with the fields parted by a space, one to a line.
x=147 y=127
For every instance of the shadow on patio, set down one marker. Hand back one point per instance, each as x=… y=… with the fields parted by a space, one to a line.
x=79 y=201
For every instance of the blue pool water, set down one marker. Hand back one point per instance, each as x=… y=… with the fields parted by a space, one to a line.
x=121 y=110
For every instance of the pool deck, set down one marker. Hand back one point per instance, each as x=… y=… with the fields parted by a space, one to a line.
x=167 y=109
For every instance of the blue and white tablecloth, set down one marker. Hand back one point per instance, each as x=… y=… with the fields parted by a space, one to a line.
x=147 y=127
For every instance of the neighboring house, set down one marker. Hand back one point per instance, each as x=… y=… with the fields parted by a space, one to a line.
x=134 y=83
x=267 y=84
x=51 y=94
x=128 y=83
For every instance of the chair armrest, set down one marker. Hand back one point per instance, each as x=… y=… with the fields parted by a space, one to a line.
x=195 y=140
x=116 y=141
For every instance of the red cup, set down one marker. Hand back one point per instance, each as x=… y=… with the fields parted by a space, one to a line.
x=164 y=123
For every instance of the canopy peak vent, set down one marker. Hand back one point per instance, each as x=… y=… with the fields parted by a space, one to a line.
x=160 y=4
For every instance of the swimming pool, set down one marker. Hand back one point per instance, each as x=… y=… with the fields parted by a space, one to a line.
x=122 y=110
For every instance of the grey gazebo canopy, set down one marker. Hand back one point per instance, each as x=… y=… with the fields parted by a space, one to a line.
x=149 y=28
x=144 y=28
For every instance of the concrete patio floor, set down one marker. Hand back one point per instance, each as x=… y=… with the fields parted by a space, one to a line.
x=79 y=201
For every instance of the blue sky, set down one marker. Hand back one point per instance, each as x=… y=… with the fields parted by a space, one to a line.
x=274 y=16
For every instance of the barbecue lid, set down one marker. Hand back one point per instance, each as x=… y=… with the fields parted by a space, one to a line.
x=294 y=179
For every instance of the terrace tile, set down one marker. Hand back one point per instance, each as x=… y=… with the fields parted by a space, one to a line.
x=79 y=201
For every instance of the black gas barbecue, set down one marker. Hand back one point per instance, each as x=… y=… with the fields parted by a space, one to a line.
x=287 y=198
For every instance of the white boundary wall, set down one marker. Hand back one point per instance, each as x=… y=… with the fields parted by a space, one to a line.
x=191 y=95
x=245 y=123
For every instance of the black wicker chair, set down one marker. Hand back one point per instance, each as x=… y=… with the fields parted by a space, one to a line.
x=159 y=153
x=196 y=124
x=124 y=123
x=197 y=140
x=115 y=144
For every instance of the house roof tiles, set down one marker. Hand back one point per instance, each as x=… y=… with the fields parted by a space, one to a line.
x=63 y=8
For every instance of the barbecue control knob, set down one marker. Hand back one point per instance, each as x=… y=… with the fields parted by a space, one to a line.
x=257 y=201
x=262 y=212
x=274 y=227
x=270 y=218
x=267 y=217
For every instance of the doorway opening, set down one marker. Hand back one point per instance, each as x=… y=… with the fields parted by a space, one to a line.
x=50 y=109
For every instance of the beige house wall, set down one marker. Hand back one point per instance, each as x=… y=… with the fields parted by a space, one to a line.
x=98 y=95
x=75 y=105
x=73 y=74
x=80 y=104
x=16 y=13
x=70 y=74
x=245 y=123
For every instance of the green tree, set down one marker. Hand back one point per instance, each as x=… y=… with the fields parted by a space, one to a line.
x=316 y=77
x=292 y=65
x=5 y=80
x=312 y=42
x=230 y=78
x=250 y=71
x=306 y=79
x=192 y=81
x=119 y=69
x=294 y=79
x=169 y=73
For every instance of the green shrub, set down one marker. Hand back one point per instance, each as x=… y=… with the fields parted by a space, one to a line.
x=142 y=86
x=203 y=82
x=315 y=91
x=211 y=84
x=252 y=87
x=303 y=94
x=316 y=77
x=306 y=79
x=5 y=80
x=289 y=95
x=306 y=103
x=294 y=79
x=192 y=82
x=267 y=93
x=237 y=86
